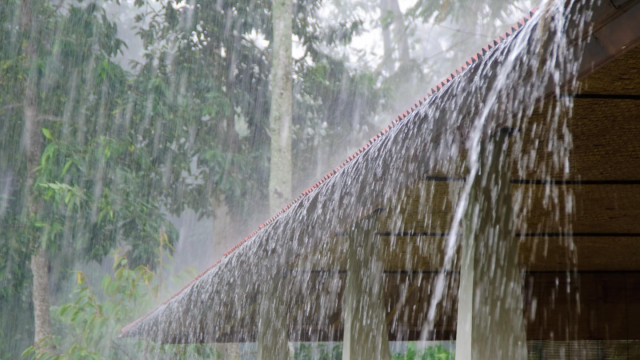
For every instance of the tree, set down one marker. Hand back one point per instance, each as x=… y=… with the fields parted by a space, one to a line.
x=216 y=53
x=64 y=105
x=273 y=330
x=33 y=145
x=208 y=67
x=280 y=113
x=92 y=319
x=393 y=33
x=115 y=151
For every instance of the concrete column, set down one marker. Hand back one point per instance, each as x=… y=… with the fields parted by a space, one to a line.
x=229 y=351
x=365 y=327
x=490 y=301
x=273 y=329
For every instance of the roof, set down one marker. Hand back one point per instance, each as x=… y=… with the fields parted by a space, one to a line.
x=391 y=170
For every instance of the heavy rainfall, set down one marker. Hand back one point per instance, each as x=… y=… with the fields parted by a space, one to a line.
x=186 y=179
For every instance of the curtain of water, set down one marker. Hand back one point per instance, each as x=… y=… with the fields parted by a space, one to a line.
x=499 y=92
x=541 y=62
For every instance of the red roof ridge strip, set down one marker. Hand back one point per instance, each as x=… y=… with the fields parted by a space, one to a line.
x=398 y=119
x=134 y=323
x=475 y=58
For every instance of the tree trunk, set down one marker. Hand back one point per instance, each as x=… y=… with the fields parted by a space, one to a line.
x=32 y=140
x=281 y=107
x=273 y=329
x=40 y=270
x=385 y=26
x=393 y=34
x=400 y=32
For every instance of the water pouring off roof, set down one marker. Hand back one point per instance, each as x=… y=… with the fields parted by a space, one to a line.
x=562 y=88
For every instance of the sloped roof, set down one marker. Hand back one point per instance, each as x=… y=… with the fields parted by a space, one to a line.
x=329 y=207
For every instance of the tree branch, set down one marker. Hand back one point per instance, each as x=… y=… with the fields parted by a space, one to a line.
x=11 y=106
x=55 y=9
x=50 y=118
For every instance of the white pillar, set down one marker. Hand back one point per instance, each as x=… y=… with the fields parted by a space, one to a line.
x=490 y=305
x=273 y=330
x=229 y=351
x=365 y=327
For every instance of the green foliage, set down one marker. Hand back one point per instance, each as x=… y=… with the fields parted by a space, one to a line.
x=92 y=186
x=93 y=178
x=88 y=326
x=100 y=212
x=327 y=93
x=187 y=129
x=437 y=352
x=206 y=80
x=309 y=351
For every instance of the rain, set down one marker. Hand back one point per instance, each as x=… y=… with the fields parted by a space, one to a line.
x=252 y=179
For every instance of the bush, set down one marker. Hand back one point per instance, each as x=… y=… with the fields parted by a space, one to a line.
x=90 y=324
x=437 y=352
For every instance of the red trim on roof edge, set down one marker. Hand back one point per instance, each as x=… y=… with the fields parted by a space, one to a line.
x=475 y=58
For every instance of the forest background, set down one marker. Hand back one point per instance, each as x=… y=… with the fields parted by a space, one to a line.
x=135 y=140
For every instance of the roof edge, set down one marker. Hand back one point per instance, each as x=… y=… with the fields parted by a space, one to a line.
x=402 y=116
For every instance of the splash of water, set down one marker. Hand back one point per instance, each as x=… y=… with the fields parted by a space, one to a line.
x=542 y=60
x=499 y=92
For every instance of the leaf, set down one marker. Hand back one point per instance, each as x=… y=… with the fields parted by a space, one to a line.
x=64 y=309
x=75 y=314
x=29 y=352
x=47 y=133
x=43 y=241
x=66 y=167
x=46 y=154
x=105 y=283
